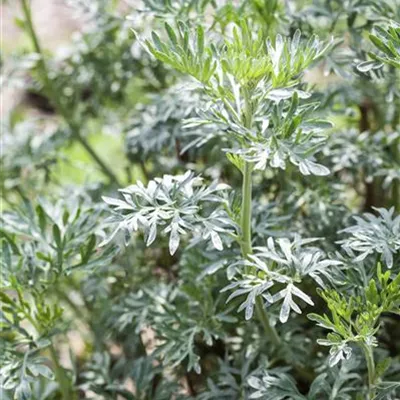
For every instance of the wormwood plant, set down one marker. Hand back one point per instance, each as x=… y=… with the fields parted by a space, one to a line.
x=253 y=88
x=252 y=250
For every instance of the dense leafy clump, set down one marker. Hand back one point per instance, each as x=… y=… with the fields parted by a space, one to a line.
x=374 y=234
x=174 y=202
x=201 y=201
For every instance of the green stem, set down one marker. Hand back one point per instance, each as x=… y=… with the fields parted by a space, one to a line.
x=369 y=356
x=54 y=97
x=247 y=248
x=245 y=221
x=89 y=149
x=32 y=34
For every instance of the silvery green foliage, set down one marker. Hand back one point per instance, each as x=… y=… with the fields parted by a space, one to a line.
x=174 y=8
x=268 y=221
x=102 y=379
x=21 y=358
x=48 y=239
x=335 y=384
x=374 y=234
x=230 y=382
x=296 y=259
x=19 y=374
x=283 y=130
x=173 y=313
x=321 y=207
x=41 y=243
x=282 y=263
x=339 y=349
x=270 y=128
x=390 y=175
x=387 y=41
x=350 y=150
x=288 y=134
x=178 y=204
x=160 y=125
x=133 y=311
x=278 y=386
x=388 y=391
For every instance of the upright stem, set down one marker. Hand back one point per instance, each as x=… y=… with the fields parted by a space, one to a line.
x=54 y=97
x=246 y=210
x=369 y=356
x=247 y=248
x=245 y=222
